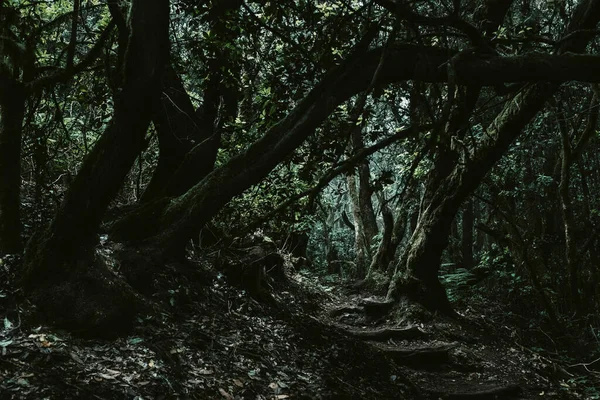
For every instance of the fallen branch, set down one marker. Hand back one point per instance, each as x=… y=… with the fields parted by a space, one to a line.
x=585 y=365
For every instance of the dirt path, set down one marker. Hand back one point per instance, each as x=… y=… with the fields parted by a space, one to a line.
x=215 y=342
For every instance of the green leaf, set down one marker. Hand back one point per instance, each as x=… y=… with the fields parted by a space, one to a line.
x=135 y=340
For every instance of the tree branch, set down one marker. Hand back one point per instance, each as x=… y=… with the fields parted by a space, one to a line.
x=342 y=167
x=63 y=75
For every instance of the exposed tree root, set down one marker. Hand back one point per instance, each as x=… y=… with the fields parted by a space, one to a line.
x=374 y=308
x=139 y=266
x=425 y=357
x=428 y=293
x=497 y=393
x=336 y=312
x=390 y=333
x=91 y=302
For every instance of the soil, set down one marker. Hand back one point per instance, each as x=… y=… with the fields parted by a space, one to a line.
x=314 y=340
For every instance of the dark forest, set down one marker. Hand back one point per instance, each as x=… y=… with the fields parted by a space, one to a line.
x=345 y=199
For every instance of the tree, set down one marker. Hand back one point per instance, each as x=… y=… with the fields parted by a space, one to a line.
x=21 y=77
x=447 y=191
x=61 y=269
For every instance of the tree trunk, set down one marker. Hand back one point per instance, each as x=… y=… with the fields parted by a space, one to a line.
x=480 y=238
x=419 y=277
x=569 y=156
x=385 y=252
x=453 y=251
x=589 y=226
x=393 y=233
x=568 y=221
x=12 y=111
x=365 y=194
x=179 y=130
x=361 y=240
x=177 y=220
x=467 y=235
x=60 y=271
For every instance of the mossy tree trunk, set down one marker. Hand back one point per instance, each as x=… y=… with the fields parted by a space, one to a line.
x=168 y=224
x=188 y=138
x=393 y=233
x=570 y=154
x=60 y=270
x=365 y=221
x=467 y=236
x=418 y=277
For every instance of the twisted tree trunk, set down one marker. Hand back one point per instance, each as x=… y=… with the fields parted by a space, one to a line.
x=61 y=272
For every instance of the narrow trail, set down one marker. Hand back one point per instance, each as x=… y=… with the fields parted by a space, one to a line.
x=447 y=359
x=313 y=342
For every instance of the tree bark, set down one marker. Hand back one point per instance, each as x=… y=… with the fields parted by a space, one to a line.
x=60 y=271
x=404 y=62
x=385 y=251
x=365 y=192
x=467 y=235
x=179 y=130
x=12 y=112
x=361 y=240
x=393 y=233
x=569 y=156
x=361 y=192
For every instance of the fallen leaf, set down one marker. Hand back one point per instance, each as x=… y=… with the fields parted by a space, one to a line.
x=113 y=372
x=22 y=382
x=76 y=358
x=206 y=371
x=226 y=395
x=237 y=382
x=135 y=340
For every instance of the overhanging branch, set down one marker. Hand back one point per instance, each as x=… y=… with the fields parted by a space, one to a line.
x=339 y=169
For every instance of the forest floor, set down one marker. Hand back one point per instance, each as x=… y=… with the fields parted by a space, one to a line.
x=314 y=341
